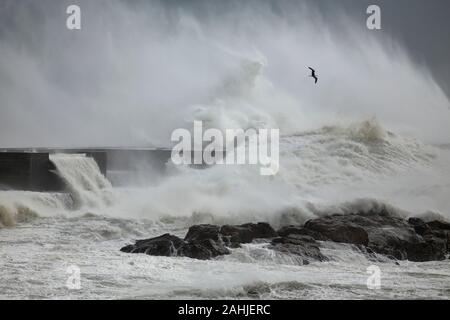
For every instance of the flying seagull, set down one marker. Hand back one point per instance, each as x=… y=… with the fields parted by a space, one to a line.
x=313 y=74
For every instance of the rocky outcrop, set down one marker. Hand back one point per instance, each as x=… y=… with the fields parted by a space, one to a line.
x=381 y=233
x=170 y=245
x=202 y=241
x=231 y=235
x=202 y=232
x=300 y=245
x=165 y=245
x=339 y=230
x=374 y=232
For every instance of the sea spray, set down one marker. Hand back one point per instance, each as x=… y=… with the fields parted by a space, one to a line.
x=81 y=174
x=25 y=206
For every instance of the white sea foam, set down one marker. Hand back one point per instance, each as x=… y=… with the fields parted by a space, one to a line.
x=82 y=177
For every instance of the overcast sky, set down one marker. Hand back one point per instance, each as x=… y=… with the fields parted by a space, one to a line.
x=423 y=26
x=54 y=81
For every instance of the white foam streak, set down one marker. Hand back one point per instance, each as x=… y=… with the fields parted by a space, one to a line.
x=81 y=174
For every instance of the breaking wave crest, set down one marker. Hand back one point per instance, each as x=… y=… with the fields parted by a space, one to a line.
x=339 y=169
x=81 y=174
x=335 y=169
x=22 y=206
x=325 y=165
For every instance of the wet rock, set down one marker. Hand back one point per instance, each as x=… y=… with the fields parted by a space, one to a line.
x=419 y=226
x=339 y=230
x=202 y=241
x=203 y=250
x=429 y=250
x=246 y=233
x=373 y=232
x=439 y=230
x=202 y=232
x=392 y=236
x=301 y=245
x=301 y=230
x=233 y=236
x=170 y=245
x=165 y=245
x=439 y=225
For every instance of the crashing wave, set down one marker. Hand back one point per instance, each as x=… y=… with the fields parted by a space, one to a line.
x=22 y=206
x=82 y=176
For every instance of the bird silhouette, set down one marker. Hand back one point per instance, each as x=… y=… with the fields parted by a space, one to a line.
x=313 y=74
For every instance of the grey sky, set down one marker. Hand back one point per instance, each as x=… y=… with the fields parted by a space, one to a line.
x=135 y=61
x=422 y=26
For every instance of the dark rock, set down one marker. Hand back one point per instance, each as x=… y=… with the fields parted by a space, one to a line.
x=165 y=245
x=170 y=245
x=419 y=225
x=261 y=230
x=384 y=234
x=194 y=250
x=231 y=235
x=203 y=241
x=203 y=232
x=339 y=230
x=440 y=230
x=246 y=233
x=300 y=245
x=435 y=233
x=429 y=250
x=202 y=249
x=128 y=248
x=287 y=230
x=439 y=225
x=216 y=248
x=374 y=232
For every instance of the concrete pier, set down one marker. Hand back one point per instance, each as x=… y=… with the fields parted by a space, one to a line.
x=32 y=170
x=28 y=171
x=135 y=159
